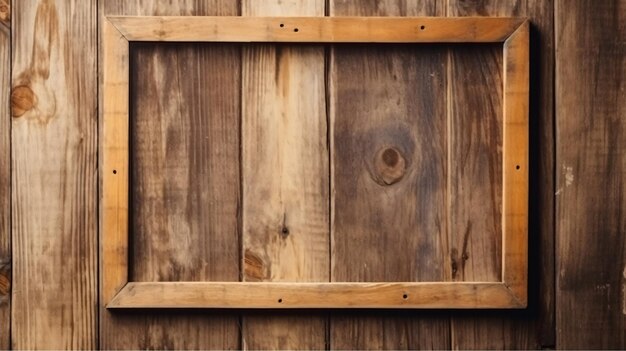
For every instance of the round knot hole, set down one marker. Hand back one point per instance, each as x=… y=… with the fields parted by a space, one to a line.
x=391 y=157
x=389 y=166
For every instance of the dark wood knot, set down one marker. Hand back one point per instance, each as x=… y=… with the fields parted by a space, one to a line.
x=389 y=166
x=23 y=99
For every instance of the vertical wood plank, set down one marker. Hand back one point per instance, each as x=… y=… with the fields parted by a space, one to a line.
x=532 y=328
x=184 y=210
x=5 y=181
x=591 y=174
x=285 y=176
x=53 y=100
x=389 y=170
x=475 y=161
x=475 y=114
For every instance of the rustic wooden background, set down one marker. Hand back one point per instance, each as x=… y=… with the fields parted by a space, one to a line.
x=187 y=177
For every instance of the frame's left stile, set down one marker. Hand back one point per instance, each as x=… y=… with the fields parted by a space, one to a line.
x=114 y=170
x=119 y=293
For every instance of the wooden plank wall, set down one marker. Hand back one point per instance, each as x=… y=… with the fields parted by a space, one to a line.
x=591 y=174
x=48 y=176
x=54 y=174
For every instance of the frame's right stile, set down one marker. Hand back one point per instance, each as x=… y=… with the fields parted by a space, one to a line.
x=117 y=292
x=515 y=163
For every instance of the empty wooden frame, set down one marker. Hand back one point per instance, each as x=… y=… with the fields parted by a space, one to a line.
x=118 y=292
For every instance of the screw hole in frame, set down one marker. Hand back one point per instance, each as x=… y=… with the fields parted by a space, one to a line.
x=296 y=30
x=422 y=27
x=517 y=167
x=114 y=171
x=280 y=300
x=282 y=25
x=405 y=296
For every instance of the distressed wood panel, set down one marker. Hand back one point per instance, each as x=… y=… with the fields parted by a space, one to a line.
x=285 y=176
x=184 y=179
x=476 y=116
x=475 y=125
x=389 y=170
x=5 y=180
x=184 y=160
x=53 y=100
x=591 y=174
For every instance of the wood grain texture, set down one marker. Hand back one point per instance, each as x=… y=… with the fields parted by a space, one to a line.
x=316 y=29
x=184 y=171
x=515 y=164
x=532 y=328
x=475 y=113
x=5 y=188
x=285 y=176
x=388 y=147
x=281 y=295
x=54 y=175
x=591 y=174
x=475 y=161
x=114 y=168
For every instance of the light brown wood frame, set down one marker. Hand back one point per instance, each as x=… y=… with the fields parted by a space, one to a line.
x=118 y=292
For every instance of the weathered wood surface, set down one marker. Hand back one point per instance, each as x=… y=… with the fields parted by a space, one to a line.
x=475 y=161
x=531 y=328
x=515 y=132
x=53 y=171
x=114 y=170
x=362 y=29
x=185 y=174
x=591 y=174
x=282 y=295
x=285 y=176
x=389 y=170
x=54 y=175
x=5 y=178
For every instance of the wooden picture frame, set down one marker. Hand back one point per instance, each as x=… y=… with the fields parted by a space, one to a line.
x=118 y=292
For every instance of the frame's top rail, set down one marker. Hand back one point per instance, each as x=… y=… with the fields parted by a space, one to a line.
x=317 y=29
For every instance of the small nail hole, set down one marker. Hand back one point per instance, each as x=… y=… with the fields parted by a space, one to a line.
x=517 y=167
x=282 y=25
x=295 y=30
x=280 y=300
x=422 y=27
x=114 y=171
x=405 y=296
